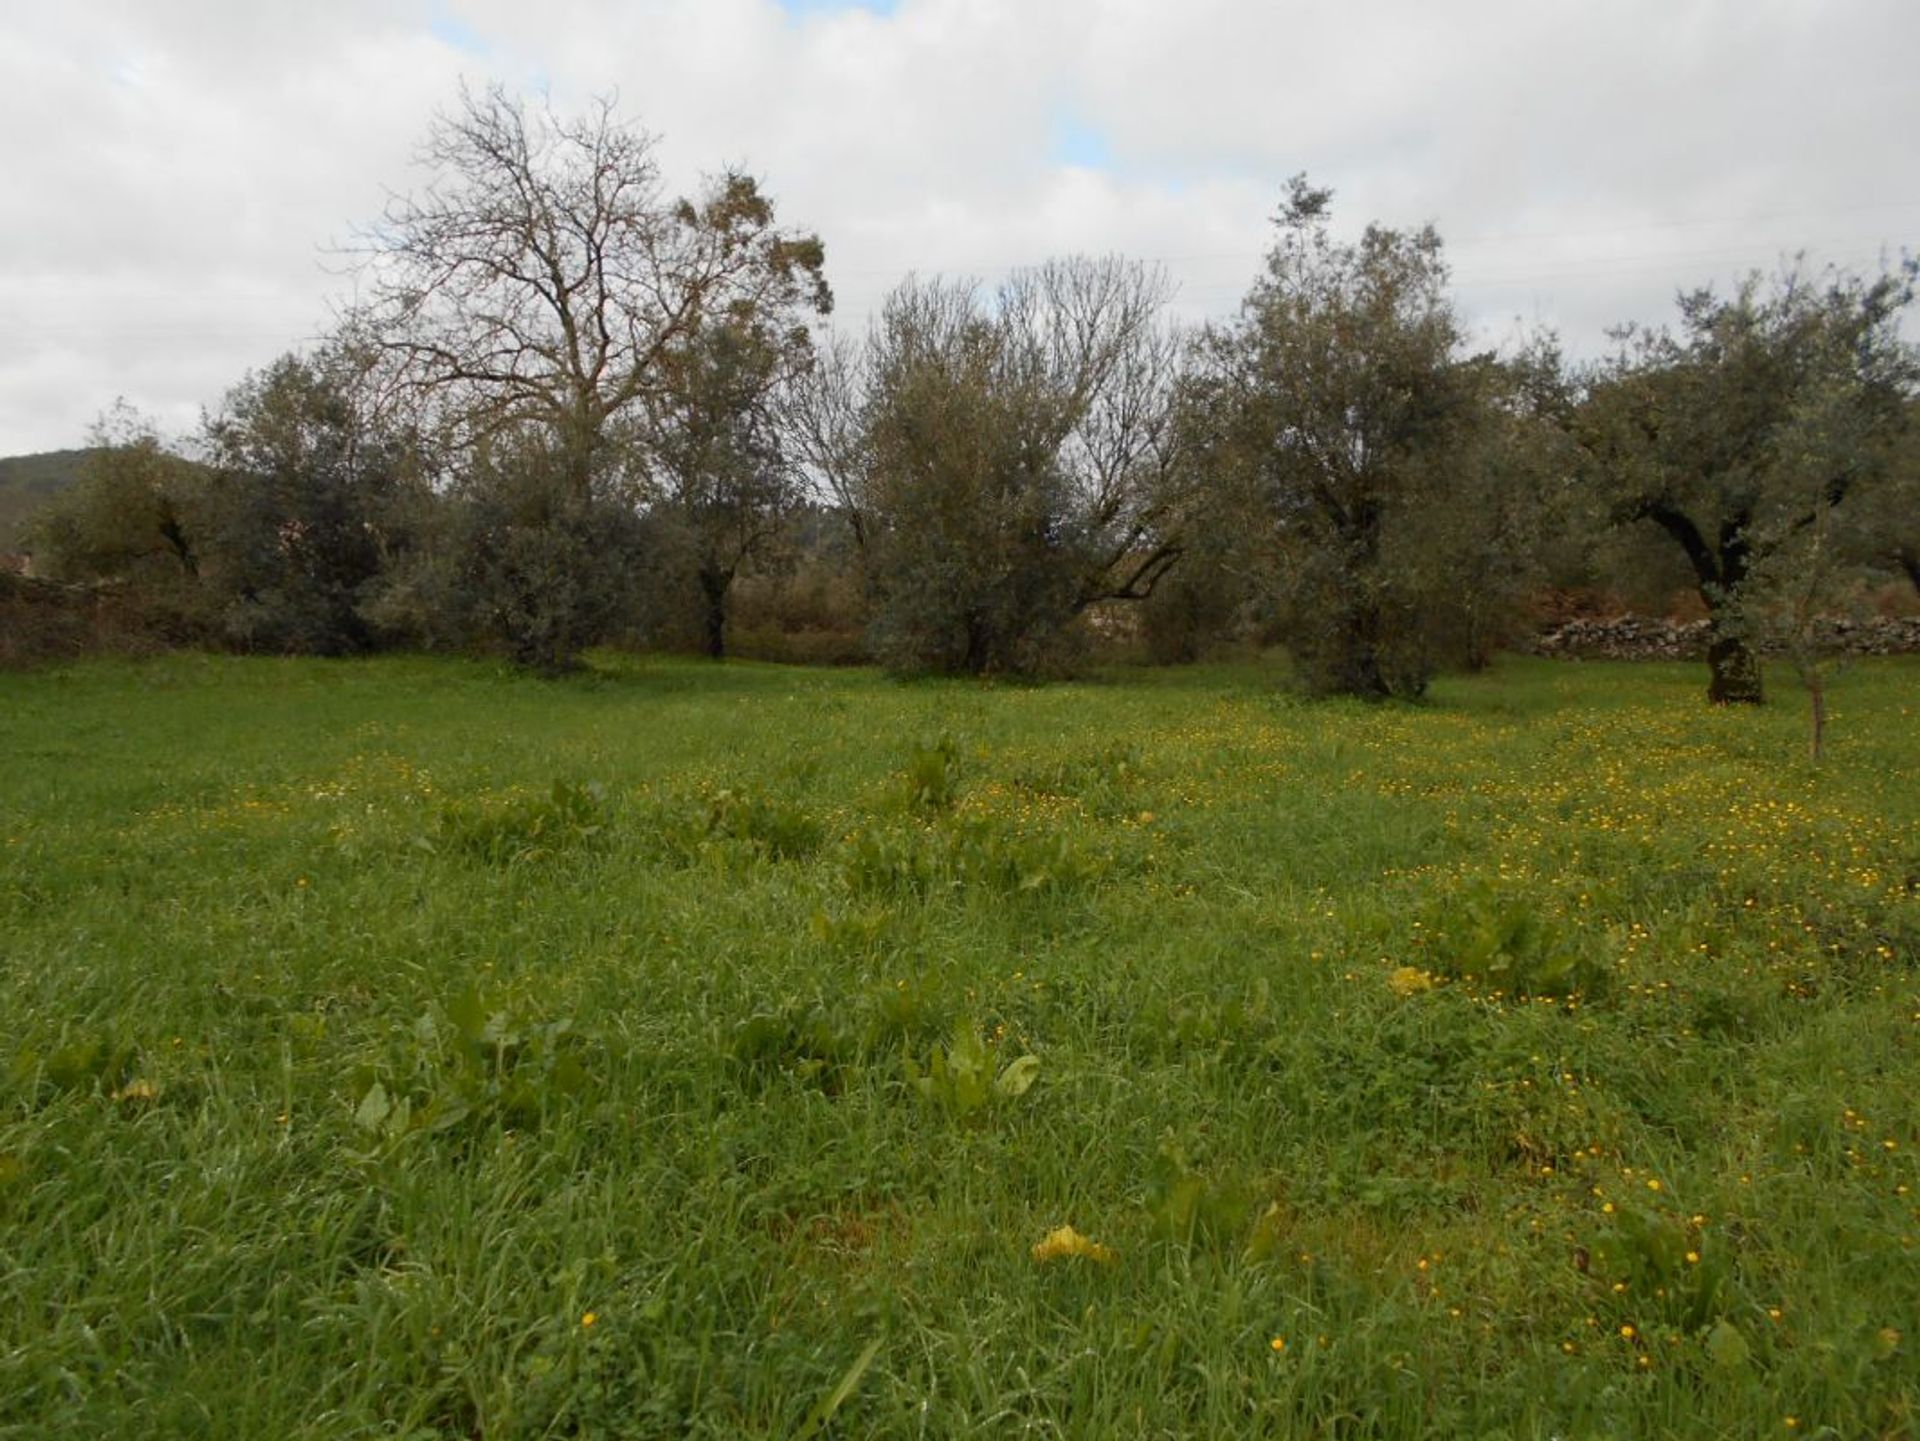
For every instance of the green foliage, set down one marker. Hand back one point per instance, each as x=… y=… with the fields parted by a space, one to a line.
x=892 y=861
x=856 y=931
x=972 y=855
x=996 y=858
x=729 y=825
x=97 y=1063
x=780 y=829
x=1206 y=602
x=930 y=780
x=300 y=519
x=133 y=516
x=519 y=829
x=1190 y=1207
x=534 y=566
x=1107 y=782
x=1010 y=462
x=473 y=1063
x=810 y=1042
x=1206 y=1028
x=1341 y=410
x=1648 y=1263
x=827 y=1043
x=965 y=1077
x=1502 y=942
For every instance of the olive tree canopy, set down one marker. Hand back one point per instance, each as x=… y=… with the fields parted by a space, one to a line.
x=1343 y=407
x=1767 y=409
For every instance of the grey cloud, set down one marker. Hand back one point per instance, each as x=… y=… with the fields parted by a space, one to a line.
x=175 y=169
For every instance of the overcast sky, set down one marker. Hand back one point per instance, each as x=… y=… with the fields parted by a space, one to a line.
x=174 y=170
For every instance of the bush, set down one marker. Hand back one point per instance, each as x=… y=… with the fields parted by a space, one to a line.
x=542 y=571
x=1350 y=636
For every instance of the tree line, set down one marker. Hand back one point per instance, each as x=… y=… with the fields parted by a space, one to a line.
x=574 y=408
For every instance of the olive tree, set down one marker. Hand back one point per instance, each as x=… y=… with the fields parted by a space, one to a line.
x=300 y=514
x=1769 y=408
x=1884 y=532
x=1505 y=505
x=134 y=514
x=1006 y=461
x=1341 y=406
x=716 y=465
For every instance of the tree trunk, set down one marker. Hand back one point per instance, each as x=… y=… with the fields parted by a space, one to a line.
x=1817 y=702
x=1909 y=559
x=1369 y=678
x=979 y=649
x=713 y=586
x=178 y=541
x=1735 y=669
x=1365 y=676
x=1479 y=641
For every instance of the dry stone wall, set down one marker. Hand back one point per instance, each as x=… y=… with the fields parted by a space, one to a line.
x=1633 y=637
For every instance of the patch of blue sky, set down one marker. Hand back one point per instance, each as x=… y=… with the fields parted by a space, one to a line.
x=1079 y=144
x=827 y=7
x=449 y=29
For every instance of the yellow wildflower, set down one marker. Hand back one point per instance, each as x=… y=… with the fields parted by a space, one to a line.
x=1409 y=981
x=1065 y=1241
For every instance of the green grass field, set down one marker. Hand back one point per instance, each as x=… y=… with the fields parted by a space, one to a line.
x=407 y=1048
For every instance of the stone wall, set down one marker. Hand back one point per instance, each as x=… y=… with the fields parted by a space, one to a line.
x=44 y=621
x=1633 y=637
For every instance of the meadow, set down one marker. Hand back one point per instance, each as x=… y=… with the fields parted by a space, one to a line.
x=410 y=1048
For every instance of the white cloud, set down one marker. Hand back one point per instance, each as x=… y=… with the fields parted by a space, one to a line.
x=175 y=168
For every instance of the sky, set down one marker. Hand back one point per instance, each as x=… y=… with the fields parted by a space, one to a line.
x=179 y=179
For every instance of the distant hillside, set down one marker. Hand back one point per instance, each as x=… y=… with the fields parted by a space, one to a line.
x=28 y=482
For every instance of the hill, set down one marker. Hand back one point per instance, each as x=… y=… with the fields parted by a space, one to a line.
x=28 y=482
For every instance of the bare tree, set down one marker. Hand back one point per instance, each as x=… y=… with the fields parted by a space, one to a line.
x=1122 y=455
x=823 y=417
x=535 y=306
x=544 y=275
